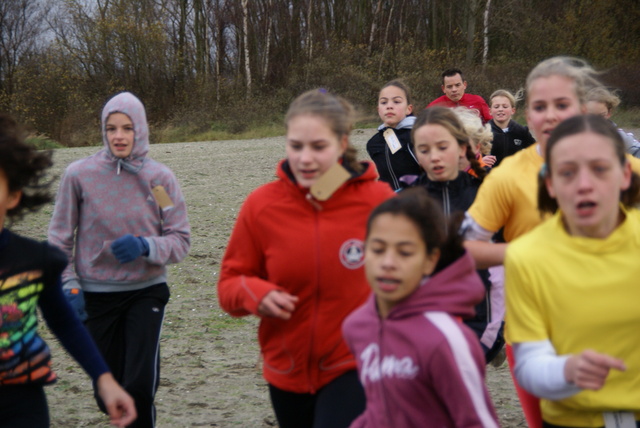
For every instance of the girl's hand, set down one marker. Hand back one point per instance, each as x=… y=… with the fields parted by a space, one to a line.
x=118 y=402
x=590 y=369
x=489 y=160
x=278 y=304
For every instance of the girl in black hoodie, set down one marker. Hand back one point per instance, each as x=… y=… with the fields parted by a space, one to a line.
x=439 y=141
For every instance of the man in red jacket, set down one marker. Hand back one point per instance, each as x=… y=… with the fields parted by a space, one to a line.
x=453 y=86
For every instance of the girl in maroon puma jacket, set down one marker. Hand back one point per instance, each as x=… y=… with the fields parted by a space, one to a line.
x=419 y=364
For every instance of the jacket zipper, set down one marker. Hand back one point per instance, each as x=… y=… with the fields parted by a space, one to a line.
x=382 y=386
x=445 y=201
x=314 y=316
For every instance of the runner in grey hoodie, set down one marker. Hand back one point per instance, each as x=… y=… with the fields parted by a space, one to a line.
x=120 y=217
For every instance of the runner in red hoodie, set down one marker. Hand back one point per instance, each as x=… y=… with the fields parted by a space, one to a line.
x=295 y=259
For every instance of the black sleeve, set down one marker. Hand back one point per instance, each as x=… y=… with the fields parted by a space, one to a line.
x=527 y=137
x=62 y=320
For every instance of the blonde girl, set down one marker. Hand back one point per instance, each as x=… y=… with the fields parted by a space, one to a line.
x=603 y=102
x=556 y=89
x=480 y=137
x=509 y=137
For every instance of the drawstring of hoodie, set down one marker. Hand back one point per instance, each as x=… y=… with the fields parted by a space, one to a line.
x=129 y=165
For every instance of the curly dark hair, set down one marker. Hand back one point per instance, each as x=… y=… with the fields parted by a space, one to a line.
x=24 y=168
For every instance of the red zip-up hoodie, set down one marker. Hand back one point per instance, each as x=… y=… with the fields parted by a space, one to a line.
x=312 y=249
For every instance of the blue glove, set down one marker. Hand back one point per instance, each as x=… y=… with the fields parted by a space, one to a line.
x=128 y=248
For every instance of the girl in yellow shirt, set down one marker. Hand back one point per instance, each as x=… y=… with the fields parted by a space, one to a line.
x=555 y=91
x=572 y=283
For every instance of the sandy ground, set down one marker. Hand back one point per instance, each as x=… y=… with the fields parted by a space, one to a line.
x=210 y=376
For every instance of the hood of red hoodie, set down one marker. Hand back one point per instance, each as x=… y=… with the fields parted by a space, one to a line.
x=456 y=290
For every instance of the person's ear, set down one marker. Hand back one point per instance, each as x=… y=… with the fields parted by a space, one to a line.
x=547 y=182
x=409 y=109
x=344 y=143
x=626 y=176
x=431 y=261
x=14 y=199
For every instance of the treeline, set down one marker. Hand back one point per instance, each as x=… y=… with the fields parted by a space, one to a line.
x=237 y=63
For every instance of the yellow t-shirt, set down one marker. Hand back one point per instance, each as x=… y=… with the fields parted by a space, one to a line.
x=580 y=293
x=508 y=196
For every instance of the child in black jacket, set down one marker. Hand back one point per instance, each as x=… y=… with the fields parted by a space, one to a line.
x=30 y=278
x=390 y=148
x=509 y=136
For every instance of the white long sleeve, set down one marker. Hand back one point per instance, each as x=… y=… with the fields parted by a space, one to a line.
x=540 y=370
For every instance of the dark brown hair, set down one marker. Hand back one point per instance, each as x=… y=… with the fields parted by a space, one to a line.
x=336 y=111
x=448 y=120
x=426 y=213
x=450 y=72
x=402 y=86
x=24 y=167
x=578 y=124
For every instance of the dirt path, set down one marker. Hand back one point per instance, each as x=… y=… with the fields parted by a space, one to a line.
x=209 y=372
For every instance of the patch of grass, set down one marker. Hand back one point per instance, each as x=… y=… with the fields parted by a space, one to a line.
x=218 y=132
x=367 y=124
x=627 y=118
x=42 y=142
x=219 y=322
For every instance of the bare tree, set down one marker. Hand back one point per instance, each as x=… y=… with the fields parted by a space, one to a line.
x=200 y=35
x=374 y=21
x=485 y=31
x=386 y=35
x=21 y=23
x=472 y=8
x=267 y=42
x=245 y=38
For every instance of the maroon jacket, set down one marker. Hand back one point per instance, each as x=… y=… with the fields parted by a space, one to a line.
x=421 y=367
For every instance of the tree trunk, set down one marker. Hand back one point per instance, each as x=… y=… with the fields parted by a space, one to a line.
x=245 y=31
x=386 y=35
x=309 y=26
x=485 y=49
x=200 y=34
x=434 y=25
x=267 y=42
x=374 y=21
x=472 y=7
x=182 y=41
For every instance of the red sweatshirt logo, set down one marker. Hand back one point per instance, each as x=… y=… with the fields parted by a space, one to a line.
x=352 y=254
